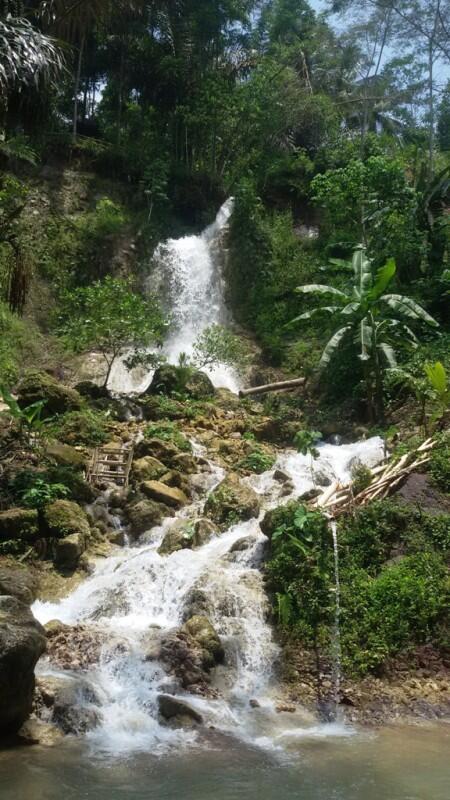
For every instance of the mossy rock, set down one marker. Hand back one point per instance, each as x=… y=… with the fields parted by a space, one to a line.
x=69 y=550
x=36 y=386
x=166 y=380
x=178 y=537
x=64 y=518
x=201 y=629
x=19 y=524
x=231 y=502
x=147 y=469
x=276 y=517
x=199 y=386
x=65 y=455
x=143 y=516
x=157 y=448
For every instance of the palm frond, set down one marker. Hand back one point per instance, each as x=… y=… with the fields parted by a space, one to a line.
x=319 y=288
x=333 y=345
x=409 y=308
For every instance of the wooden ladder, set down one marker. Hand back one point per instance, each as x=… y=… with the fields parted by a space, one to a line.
x=110 y=466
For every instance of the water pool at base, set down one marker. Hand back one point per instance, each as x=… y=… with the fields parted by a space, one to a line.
x=403 y=763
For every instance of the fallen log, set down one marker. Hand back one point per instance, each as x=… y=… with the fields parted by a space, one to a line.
x=273 y=387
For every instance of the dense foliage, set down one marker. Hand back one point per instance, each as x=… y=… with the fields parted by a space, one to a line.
x=393 y=576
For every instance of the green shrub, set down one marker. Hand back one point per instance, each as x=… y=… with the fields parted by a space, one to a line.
x=403 y=606
x=439 y=465
x=257 y=461
x=80 y=427
x=168 y=432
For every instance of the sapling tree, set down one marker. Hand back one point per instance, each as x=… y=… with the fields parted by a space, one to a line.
x=110 y=317
x=219 y=345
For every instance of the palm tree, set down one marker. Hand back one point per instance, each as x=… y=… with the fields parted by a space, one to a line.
x=27 y=57
x=374 y=320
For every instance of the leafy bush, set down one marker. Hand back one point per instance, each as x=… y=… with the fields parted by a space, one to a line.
x=394 y=583
x=257 y=461
x=439 y=465
x=80 y=427
x=41 y=493
x=403 y=606
x=168 y=432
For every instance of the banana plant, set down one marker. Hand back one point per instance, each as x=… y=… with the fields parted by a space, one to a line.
x=373 y=319
x=29 y=419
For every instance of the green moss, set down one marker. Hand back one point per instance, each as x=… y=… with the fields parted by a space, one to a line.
x=64 y=518
x=168 y=432
x=80 y=427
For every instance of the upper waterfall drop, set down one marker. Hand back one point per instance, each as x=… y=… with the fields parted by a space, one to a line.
x=193 y=284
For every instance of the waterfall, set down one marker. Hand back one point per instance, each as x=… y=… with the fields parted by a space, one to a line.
x=190 y=273
x=337 y=667
x=138 y=595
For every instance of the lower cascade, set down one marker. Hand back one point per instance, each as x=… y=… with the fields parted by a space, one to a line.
x=135 y=603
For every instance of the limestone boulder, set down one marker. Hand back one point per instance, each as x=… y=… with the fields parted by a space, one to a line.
x=69 y=550
x=36 y=386
x=157 y=448
x=231 y=502
x=65 y=455
x=161 y=493
x=18 y=581
x=171 y=708
x=147 y=469
x=22 y=642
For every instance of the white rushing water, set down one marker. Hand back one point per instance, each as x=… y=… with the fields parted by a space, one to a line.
x=191 y=272
x=138 y=595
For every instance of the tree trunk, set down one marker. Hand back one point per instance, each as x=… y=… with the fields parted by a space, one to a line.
x=77 y=88
x=273 y=387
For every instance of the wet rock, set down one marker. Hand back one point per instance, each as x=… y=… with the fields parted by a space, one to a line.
x=205 y=634
x=232 y=501
x=71 y=702
x=35 y=731
x=143 y=516
x=163 y=451
x=69 y=550
x=116 y=537
x=74 y=647
x=18 y=581
x=22 y=642
x=322 y=479
x=284 y=708
x=65 y=518
x=254 y=703
x=242 y=544
x=196 y=604
x=171 y=708
x=118 y=499
x=147 y=469
x=280 y=476
x=204 y=530
x=19 y=523
x=36 y=386
x=160 y=493
x=191 y=652
x=178 y=537
x=177 y=480
x=184 y=463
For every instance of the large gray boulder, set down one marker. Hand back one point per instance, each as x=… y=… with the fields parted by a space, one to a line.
x=22 y=642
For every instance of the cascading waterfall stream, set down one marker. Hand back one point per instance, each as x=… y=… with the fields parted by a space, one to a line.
x=138 y=595
x=190 y=272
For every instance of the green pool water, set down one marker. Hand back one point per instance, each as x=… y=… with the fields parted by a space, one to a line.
x=404 y=763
